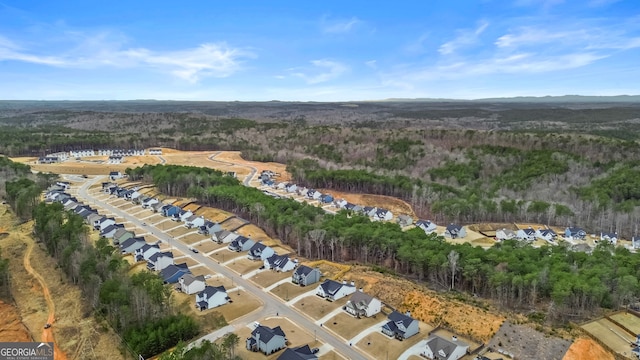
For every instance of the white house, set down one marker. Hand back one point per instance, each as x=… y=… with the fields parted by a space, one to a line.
x=527 y=234
x=313 y=194
x=146 y=251
x=155 y=151
x=455 y=231
x=440 y=348
x=224 y=236
x=290 y=188
x=363 y=305
x=546 y=234
x=383 y=215
x=149 y=202
x=610 y=237
x=185 y=214
x=211 y=297
x=194 y=221
x=160 y=261
x=190 y=284
x=259 y=251
x=333 y=290
x=104 y=222
x=401 y=326
x=115 y=159
x=505 y=234
x=280 y=263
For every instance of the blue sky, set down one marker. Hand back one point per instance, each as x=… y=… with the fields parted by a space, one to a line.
x=317 y=50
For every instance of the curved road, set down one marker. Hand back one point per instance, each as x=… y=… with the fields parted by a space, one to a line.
x=271 y=304
x=246 y=180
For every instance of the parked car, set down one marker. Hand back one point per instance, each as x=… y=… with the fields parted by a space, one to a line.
x=195 y=250
x=47 y=325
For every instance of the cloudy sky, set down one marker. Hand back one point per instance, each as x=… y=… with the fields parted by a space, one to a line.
x=317 y=50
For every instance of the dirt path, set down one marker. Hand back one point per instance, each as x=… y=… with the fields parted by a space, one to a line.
x=47 y=334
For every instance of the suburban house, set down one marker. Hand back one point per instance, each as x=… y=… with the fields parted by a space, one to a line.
x=93 y=220
x=194 y=221
x=363 y=305
x=190 y=284
x=146 y=251
x=49 y=160
x=64 y=184
x=443 y=349
x=546 y=234
x=369 y=211
x=340 y=203
x=149 y=202
x=172 y=273
x=209 y=227
x=159 y=261
x=575 y=233
x=383 y=215
x=211 y=297
x=314 y=194
x=121 y=235
x=426 y=225
x=134 y=195
x=157 y=207
x=260 y=251
x=241 y=243
x=302 y=191
x=291 y=188
x=326 y=199
x=610 y=237
x=266 y=340
x=404 y=220
x=223 y=236
x=635 y=242
x=130 y=245
x=140 y=199
x=305 y=275
x=527 y=234
x=104 y=222
x=400 y=326
x=280 y=263
x=182 y=215
x=155 y=151
x=505 y=234
x=455 y=231
x=300 y=353
x=333 y=290
x=114 y=159
x=110 y=231
x=82 y=153
x=170 y=211
x=115 y=175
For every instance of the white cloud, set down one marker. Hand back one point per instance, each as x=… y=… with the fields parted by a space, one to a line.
x=588 y=38
x=328 y=70
x=339 y=26
x=371 y=64
x=205 y=60
x=464 y=38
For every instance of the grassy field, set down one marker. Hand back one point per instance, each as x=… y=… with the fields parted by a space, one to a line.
x=610 y=334
x=317 y=307
x=348 y=326
x=628 y=320
x=288 y=291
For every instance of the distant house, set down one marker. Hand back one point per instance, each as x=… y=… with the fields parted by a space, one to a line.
x=211 y=297
x=442 y=349
x=149 y=202
x=130 y=245
x=305 y=275
x=104 y=222
x=505 y=234
x=266 y=340
x=157 y=208
x=635 y=242
x=333 y=290
x=114 y=159
x=260 y=251
x=326 y=199
x=455 y=231
x=291 y=188
x=110 y=231
x=363 y=305
x=527 y=234
x=383 y=215
x=115 y=175
x=182 y=215
x=426 y=225
x=194 y=221
x=404 y=220
x=93 y=220
x=155 y=151
x=140 y=199
x=209 y=227
x=241 y=243
x=146 y=251
x=190 y=284
x=172 y=273
x=170 y=211
x=546 y=234
x=314 y=194
x=224 y=236
x=121 y=235
x=300 y=353
x=610 y=237
x=369 y=211
x=401 y=326
x=160 y=261
x=574 y=233
x=280 y=263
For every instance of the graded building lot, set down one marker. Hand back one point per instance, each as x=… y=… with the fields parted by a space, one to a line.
x=288 y=291
x=220 y=280
x=178 y=229
x=214 y=215
x=348 y=326
x=232 y=224
x=331 y=355
x=186 y=259
x=201 y=270
x=209 y=246
x=446 y=334
x=208 y=320
x=317 y=307
x=611 y=334
x=243 y=304
x=257 y=234
x=628 y=320
x=244 y=265
x=193 y=238
x=225 y=255
x=380 y=346
x=269 y=277
x=584 y=348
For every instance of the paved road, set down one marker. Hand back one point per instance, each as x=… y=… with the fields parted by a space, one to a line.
x=248 y=179
x=162 y=160
x=271 y=304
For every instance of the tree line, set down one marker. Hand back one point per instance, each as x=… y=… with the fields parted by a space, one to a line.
x=515 y=275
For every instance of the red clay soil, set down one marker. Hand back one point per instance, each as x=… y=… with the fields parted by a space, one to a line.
x=47 y=334
x=11 y=327
x=587 y=349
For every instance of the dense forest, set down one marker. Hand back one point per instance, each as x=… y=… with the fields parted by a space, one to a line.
x=513 y=274
x=563 y=164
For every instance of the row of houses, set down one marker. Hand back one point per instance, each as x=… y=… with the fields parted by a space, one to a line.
x=53 y=158
x=121 y=152
x=571 y=233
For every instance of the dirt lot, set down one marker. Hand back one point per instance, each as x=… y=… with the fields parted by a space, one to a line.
x=201 y=270
x=256 y=234
x=628 y=320
x=288 y=291
x=586 y=349
x=527 y=343
x=234 y=157
x=74 y=332
x=381 y=346
x=348 y=326
x=214 y=215
x=244 y=265
x=268 y=277
x=611 y=334
x=233 y=223
x=11 y=326
x=194 y=238
x=209 y=246
x=317 y=307
x=395 y=205
x=243 y=304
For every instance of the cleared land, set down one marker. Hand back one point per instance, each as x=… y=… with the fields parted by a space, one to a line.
x=244 y=265
x=348 y=326
x=243 y=304
x=317 y=307
x=586 y=349
x=268 y=277
x=395 y=205
x=288 y=291
x=611 y=334
x=381 y=346
x=526 y=343
x=628 y=320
